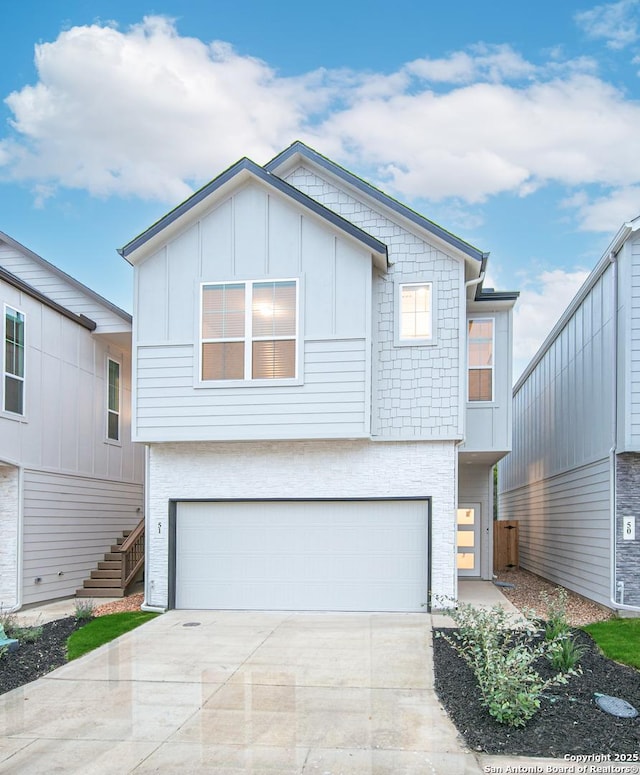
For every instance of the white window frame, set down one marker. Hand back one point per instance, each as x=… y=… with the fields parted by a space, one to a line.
x=399 y=340
x=248 y=337
x=5 y=373
x=483 y=319
x=110 y=411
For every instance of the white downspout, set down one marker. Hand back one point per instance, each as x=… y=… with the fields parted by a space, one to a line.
x=613 y=450
x=19 y=546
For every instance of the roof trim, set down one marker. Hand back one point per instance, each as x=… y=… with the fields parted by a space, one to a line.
x=67 y=277
x=81 y=320
x=298 y=147
x=267 y=177
x=608 y=257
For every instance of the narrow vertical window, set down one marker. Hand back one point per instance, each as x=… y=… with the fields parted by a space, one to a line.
x=113 y=400
x=14 y=361
x=415 y=317
x=480 y=359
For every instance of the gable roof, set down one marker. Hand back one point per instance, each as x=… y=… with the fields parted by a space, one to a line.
x=16 y=282
x=245 y=167
x=64 y=276
x=299 y=149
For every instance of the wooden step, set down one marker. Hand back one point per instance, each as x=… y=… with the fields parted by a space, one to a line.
x=113 y=557
x=115 y=548
x=94 y=583
x=112 y=565
x=126 y=533
x=106 y=574
x=99 y=592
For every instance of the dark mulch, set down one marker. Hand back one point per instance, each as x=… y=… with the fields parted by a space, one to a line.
x=32 y=660
x=568 y=722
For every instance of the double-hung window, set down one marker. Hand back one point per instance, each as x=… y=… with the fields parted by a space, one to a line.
x=480 y=359
x=14 y=359
x=249 y=330
x=415 y=314
x=113 y=400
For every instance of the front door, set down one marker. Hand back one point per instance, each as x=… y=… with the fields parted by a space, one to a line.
x=469 y=539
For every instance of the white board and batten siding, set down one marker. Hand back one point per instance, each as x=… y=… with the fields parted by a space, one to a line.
x=68 y=524
x=556 y=481
x=63 y=289
x=630 y=347
x=254 y=234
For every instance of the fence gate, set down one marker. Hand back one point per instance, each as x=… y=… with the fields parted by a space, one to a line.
x=505 y=545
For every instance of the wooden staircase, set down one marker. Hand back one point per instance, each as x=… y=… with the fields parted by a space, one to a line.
x=119 y=567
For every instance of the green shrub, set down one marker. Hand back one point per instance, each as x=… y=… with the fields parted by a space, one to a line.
x=84 y=610
x=556 y=624
x=8 y=622
x=501 y=652
x=566 y=654
x=3 y=650
x=28 y=634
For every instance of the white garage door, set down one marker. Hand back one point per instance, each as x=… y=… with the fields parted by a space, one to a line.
x=302 y=555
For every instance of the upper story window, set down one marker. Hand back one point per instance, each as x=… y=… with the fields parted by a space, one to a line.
x=113 y=400
x=480 y=359
x=415 y=313
x=249 y=330
x=14 y=359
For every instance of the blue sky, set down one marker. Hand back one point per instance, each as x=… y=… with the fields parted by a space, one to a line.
x=513 y=125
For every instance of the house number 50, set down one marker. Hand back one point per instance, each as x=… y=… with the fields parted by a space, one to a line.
x=629 y=528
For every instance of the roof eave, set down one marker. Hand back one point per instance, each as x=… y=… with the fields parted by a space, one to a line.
x=298 y=151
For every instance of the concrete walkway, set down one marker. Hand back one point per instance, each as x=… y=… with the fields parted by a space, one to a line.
x=241 y=692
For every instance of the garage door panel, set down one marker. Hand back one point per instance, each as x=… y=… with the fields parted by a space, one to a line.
x=302 y=555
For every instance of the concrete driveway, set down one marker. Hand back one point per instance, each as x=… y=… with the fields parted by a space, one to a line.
x=230 y=693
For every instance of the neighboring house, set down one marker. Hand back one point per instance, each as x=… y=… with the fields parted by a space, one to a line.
x=300 y=380
x=573 y=478
x=70 y=478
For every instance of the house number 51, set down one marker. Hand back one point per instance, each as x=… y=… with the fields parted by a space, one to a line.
x=629 y=528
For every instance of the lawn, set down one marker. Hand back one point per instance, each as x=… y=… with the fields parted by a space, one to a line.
x=619 y=639
x=104 y=629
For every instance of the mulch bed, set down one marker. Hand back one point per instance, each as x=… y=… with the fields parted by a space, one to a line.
x=568 y=722
x=33 y=660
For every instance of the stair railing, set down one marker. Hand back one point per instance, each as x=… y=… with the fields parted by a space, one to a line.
x=132 y=550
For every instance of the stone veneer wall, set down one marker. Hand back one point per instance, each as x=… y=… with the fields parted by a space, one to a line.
x=9 y=526
x=628 y=505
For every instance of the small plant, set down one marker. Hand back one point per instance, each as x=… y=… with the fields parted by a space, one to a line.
x=8 y=622
x=556 y=624
x=3 y=651
x=28 y=634
x=566 y=654
x=501 y=652
x=84 y=610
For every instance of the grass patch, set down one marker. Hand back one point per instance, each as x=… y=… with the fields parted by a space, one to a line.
x=104 y=629
x=619 y=639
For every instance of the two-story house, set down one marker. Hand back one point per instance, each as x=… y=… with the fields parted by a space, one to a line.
x=573 y=478
x=323 y=388
x=70 y=479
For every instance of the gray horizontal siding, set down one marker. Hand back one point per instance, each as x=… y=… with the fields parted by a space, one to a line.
x=565 y=528
x=331 y=402
x=69 y=523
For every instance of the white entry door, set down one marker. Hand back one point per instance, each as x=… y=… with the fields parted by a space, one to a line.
x=369 y=555
x=469 y=539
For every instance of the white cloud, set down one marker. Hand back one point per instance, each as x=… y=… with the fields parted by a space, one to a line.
x=145 y=111
x=617 y=23
x=481 y=62
x=606 y=213
x=150 y=113
x=538 y=309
